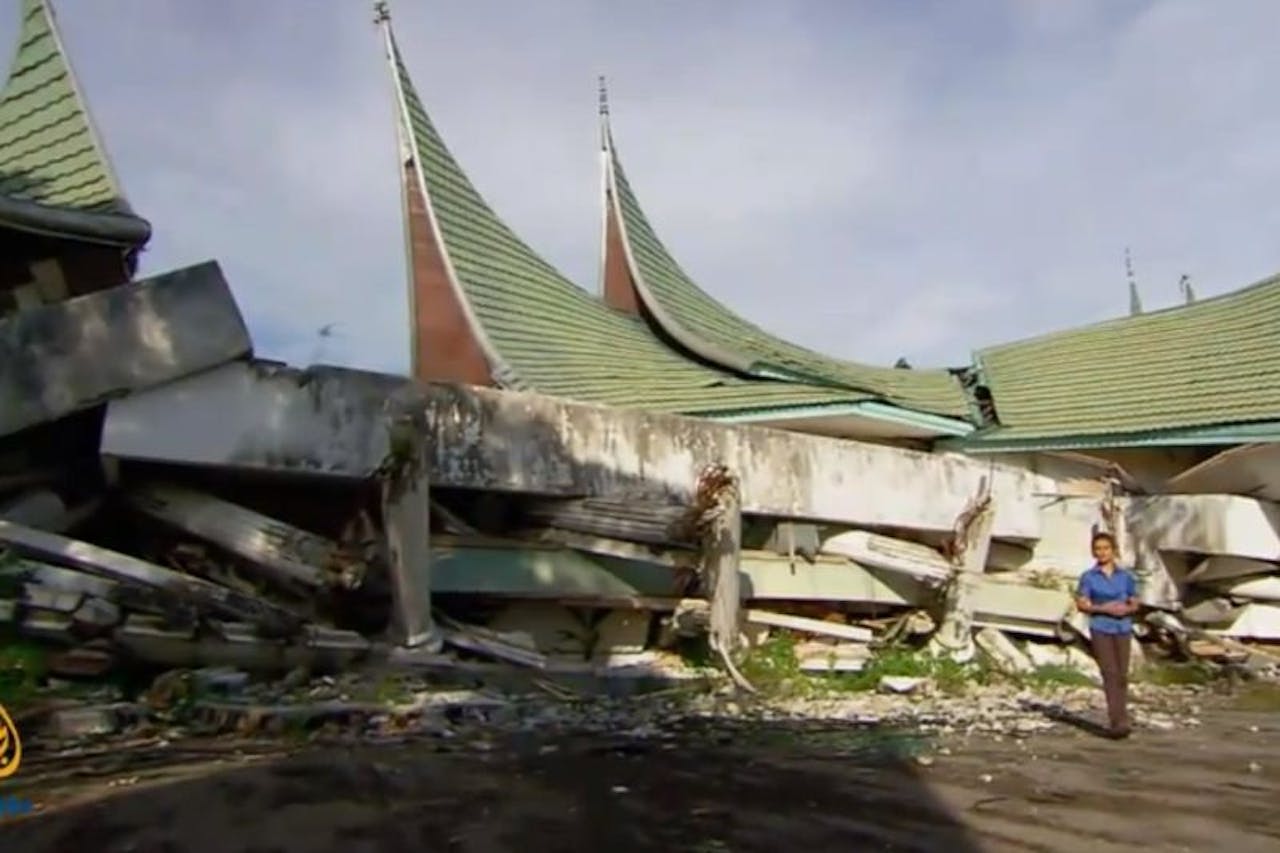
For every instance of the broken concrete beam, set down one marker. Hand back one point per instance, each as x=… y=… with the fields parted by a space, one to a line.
x=59 y=578
x=1228 y=568
x=280 y=551
x=61 y=358
x=1226 y=525
x=238 y=645
x=916 y=561
x=259 y=416
x=325 y=420
x=1264 y=588
x=1252 y=470
x=1002 y=651
x=855 y=633
x=406 y=511
x=1021 y=609
x=1256 y=622
x=1211 y=611
x=217 y=600
x=527 y=571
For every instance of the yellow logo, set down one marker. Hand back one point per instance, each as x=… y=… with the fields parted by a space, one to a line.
x=10 y=745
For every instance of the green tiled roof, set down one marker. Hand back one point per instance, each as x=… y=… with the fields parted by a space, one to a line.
x=553 y=337
x=691 y=316
x=1208 y=363
x=54 y=174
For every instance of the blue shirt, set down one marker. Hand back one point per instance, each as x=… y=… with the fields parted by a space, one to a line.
x=1098 y=588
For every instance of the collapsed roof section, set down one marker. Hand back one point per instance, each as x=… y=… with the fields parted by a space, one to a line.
x=55 y=178
x=641 y=276
x=531 y=327
x=1203 y=373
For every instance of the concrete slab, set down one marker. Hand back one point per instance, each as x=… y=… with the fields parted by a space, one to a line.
x=54 y=359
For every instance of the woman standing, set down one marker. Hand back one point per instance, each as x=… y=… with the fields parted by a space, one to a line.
x=1109 y=594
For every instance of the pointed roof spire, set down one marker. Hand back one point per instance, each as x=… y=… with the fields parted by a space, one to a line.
x=1135 y=300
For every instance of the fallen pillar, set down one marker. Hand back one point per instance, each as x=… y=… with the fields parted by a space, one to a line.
x=969 y=549
x=186 y=589
x=406 y=506
x=718 y=491
x=328 y=421
x=281 y=552
x=60 y=358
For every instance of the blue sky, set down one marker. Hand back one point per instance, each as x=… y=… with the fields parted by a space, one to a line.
x=868 y=179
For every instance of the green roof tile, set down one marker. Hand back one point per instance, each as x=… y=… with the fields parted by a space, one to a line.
x=49 y=153
x=1208 y=363
x=695 y=319
x=550 y=335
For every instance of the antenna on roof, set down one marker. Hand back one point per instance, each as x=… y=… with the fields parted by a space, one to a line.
x=604 y=96
x=1135 y=301
x=1184 y=285
x=381 y=12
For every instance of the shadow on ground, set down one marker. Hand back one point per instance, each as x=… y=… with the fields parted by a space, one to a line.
x=709 y=786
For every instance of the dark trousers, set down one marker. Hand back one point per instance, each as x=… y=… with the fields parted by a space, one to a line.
x=1112 y=653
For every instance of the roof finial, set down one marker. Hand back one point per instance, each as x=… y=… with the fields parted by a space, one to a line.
x=604 y=97
x=1184 y=284
x=381 y=12
x=1135 y=301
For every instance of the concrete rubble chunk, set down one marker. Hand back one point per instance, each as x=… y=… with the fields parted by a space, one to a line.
x=230 y=644
x=1002 y=651
x=1256 y=622
x=1264 y=588
x=124 y=568
x=901 y=683
x=916 y=561
x=278 y=550
x=1221 y=568
x=1211 y=611
x=156 y=330
x=832 y=657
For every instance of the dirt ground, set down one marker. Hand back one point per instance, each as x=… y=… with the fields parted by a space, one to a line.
x=717 y=786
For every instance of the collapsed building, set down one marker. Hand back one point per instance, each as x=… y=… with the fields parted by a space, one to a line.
x=572 y=480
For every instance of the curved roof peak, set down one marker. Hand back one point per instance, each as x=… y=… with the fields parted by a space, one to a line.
x=712 y=331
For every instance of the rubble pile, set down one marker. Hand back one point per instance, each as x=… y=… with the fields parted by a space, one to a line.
x=168 y=501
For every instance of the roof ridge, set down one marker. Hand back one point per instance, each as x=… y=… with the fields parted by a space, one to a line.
x=1131 y=320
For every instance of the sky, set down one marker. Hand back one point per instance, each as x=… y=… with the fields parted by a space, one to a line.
x=869 y=179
